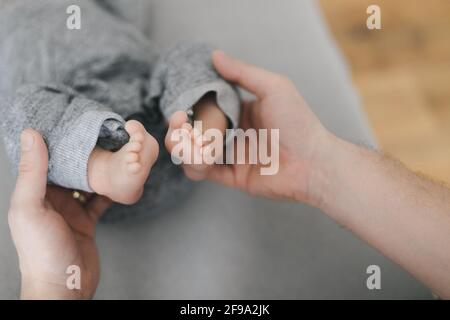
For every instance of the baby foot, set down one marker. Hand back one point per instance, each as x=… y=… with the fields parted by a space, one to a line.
x=193 y=146
x=121 y=175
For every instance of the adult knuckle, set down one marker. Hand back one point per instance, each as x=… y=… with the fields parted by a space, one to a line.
x=13 y=214
x=15 y=204
x=24 y=168
x=11 y=217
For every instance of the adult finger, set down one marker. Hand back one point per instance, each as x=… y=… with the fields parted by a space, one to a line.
x=256 y=80
x=31 y=182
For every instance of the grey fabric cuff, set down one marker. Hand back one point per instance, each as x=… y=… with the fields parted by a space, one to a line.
x=227 y=99
x=184 y=75
x=68 y=165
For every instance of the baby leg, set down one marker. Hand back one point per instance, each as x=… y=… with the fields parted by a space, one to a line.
x=121 y=175
x=74 y=128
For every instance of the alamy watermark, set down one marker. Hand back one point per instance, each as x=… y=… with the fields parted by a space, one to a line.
x=251 y=146
x=73 y=21
x=373 y=282
x=374 y=20
x=73 y=281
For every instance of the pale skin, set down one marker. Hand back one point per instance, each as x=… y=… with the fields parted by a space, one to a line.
x=121 y=175
x=52 y=231
x=404 y=216
x=210 y=115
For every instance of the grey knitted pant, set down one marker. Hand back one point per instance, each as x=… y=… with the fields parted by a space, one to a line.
x=77 y=87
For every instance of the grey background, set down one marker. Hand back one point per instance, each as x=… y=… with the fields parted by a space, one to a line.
x=221 y=243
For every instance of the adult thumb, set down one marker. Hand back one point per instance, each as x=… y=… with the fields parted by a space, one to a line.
x=252 y=78
x=31 y=182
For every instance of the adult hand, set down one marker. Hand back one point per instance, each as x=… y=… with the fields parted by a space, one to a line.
x=51 y=230
x=304 y=142
x=404 y=216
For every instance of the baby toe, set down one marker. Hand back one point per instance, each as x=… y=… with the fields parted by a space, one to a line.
x=178 y=119
x=134 y=127
x=132 y=157
x=134 y=146
x=134 y=167
x=138 y=136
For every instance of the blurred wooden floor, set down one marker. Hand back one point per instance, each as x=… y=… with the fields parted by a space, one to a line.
x=402 y=73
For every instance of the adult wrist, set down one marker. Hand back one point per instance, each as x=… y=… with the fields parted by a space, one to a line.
x=335 y=175
x=324 y=167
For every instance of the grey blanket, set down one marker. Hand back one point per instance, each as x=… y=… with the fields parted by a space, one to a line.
x=77 y=87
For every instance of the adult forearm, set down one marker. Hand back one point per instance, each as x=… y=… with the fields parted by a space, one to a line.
x=404 y=216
